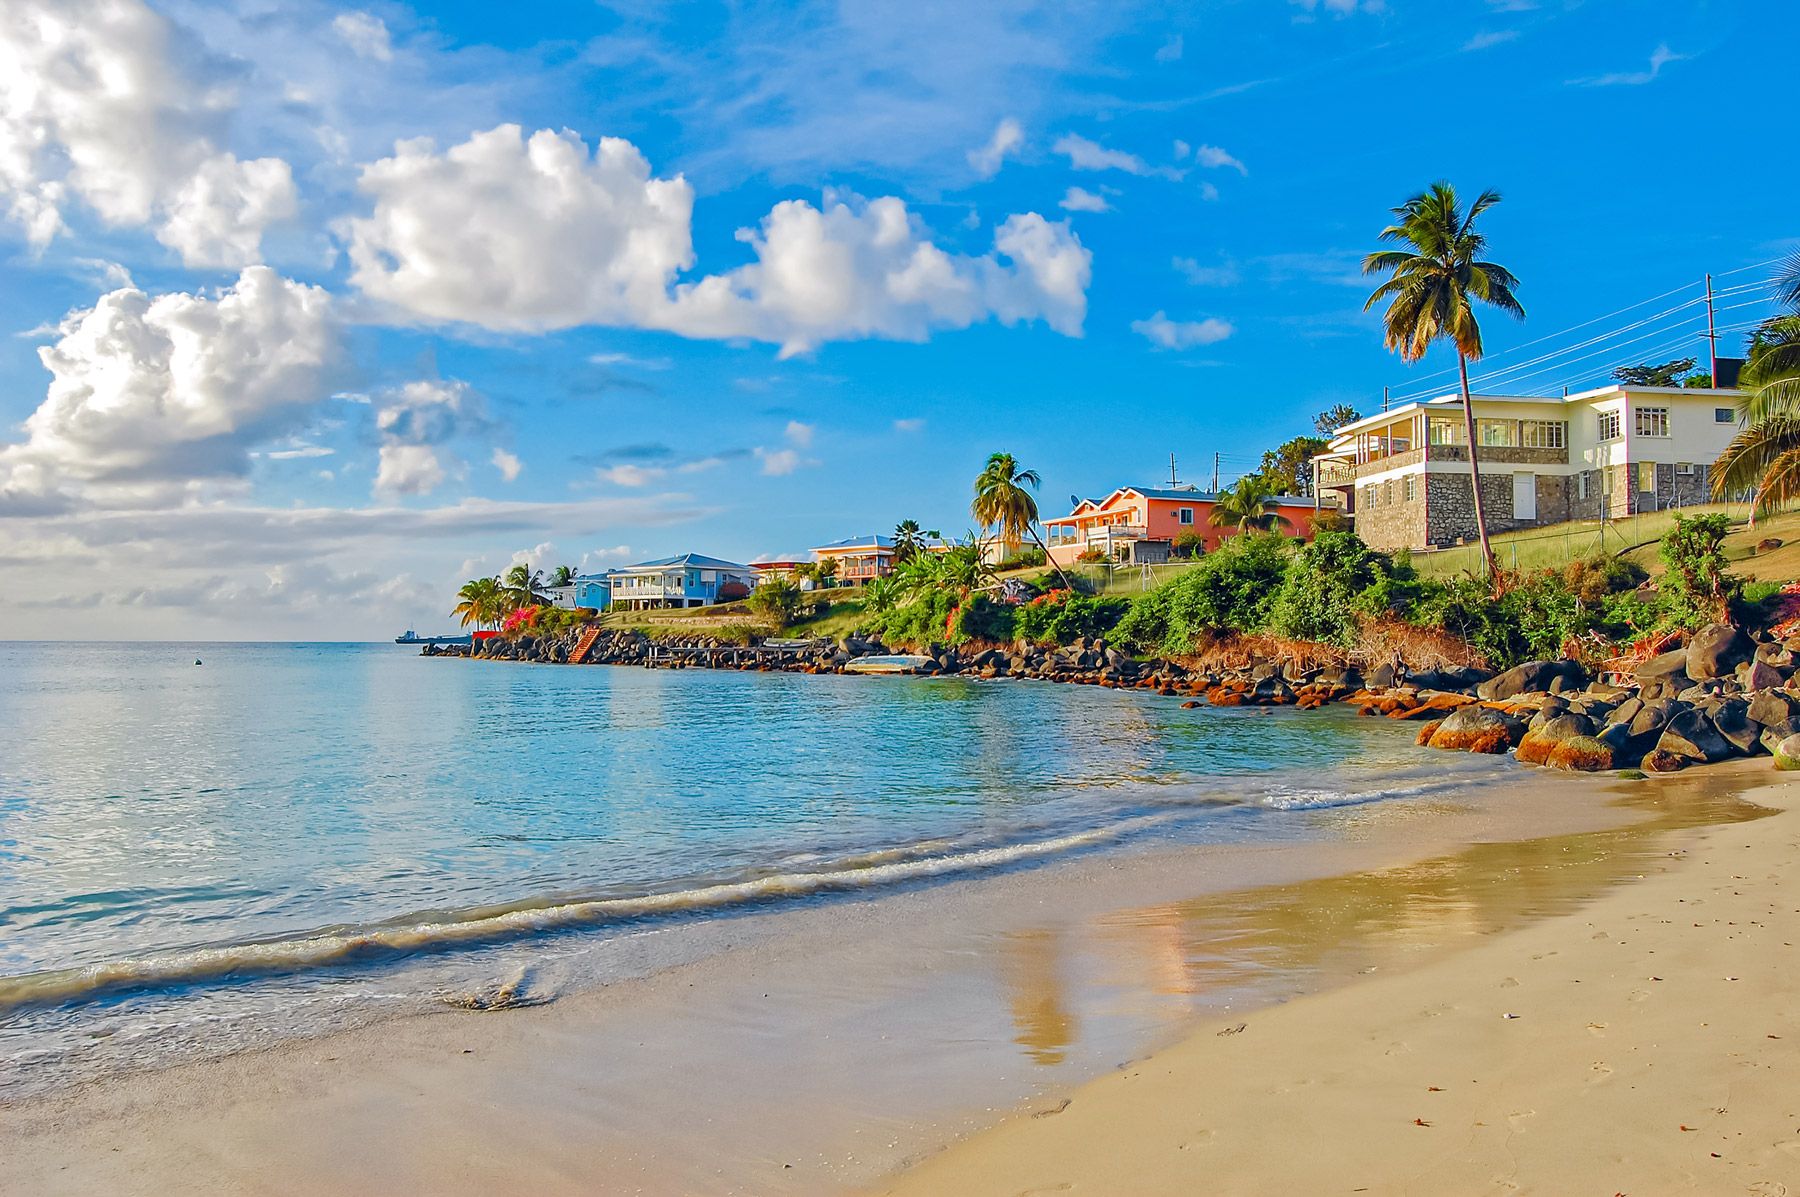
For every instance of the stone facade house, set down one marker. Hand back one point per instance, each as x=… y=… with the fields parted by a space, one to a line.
x=1403 y=475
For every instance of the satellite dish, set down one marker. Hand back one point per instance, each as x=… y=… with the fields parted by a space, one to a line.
x=1074 y=501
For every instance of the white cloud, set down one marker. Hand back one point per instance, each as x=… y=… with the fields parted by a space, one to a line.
x=1661 y=58
x=800 y=434
x=1181 y=334
x=1225 y=274
x=909 y=424
x=1091 y=155
x=1170 y=51
x=365 y=34
x=1208 y=192
x=1490 y=38
x=1182 y=149
x=1213 y=156
x=298 y=453
x=777 y=462
x=1008 y=137
x=415 y=422
x=549 y=237
x=1341 y=8
x=1080 y=199
x=632 y=475
x=150 y=397
x=508 y=464
x=108 y=103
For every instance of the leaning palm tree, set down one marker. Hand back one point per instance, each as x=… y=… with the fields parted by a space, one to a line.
x=1003 y=502
x=562 y=575
x=1432 y=290
x=1765 y=456
x=1250 y=506
x=479 y=602
x=524 y=587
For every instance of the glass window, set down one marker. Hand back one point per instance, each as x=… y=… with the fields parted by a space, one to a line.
x=1724 y=415
x=1446 y=431
x=1609 y=426
x=1581 y=485
x=1544 y=434
x=1652 y=421
x=1412 y=487
x=1498 y=434
x=1185 y=515
x=1646 y=473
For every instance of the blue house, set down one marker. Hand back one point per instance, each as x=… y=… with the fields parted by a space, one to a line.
x=594 y=590
x=690 y=580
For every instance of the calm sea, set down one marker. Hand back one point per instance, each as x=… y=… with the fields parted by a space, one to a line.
x=285 y=836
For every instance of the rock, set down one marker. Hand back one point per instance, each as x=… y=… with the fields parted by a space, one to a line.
x=1787 y=754
x=1477 y=729
x=1658 y=761
x=1581 y=754
x=1769 y=707
x=1715 y=651
x=1732 y=721
x=1775 y=733
x=1381 y=677
x=1531 y=677
x=1669 y=667
x=1540 y=742
x=1777 y=656
x=1426 y=732
x=1691 y=736
x=1754 y=675
x=1768 y=544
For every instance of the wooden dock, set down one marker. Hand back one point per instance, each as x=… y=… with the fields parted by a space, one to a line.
x=733 y=656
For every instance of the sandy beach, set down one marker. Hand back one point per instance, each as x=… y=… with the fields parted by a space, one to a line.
x=1646 y=1045
x=831 y=1049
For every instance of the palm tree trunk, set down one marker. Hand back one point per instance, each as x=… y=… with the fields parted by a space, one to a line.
x=1067 y=585
x=1481 y=530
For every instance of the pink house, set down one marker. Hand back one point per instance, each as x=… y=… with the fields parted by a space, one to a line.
x=1133 y=519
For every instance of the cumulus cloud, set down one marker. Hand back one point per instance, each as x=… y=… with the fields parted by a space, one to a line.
x=551 y=237
x=909 y=424
x=508 y=464
x=1080 y=199
x=1214 y=157
x=151 y=396
x=365 y=34
x=415 y=422
x=1181 y=334
x=106 y=102
x=777 y=462
x=1008 y=137
x=1084 y=154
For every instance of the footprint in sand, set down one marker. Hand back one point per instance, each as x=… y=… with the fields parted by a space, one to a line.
x=1596 y=1028
x=1520 y=1120
x=1510 y=983
x=1638 y=995
x=1601 y=1070
x=1768 y=1188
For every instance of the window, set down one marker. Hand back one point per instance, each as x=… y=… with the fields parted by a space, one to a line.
x=1446 y=431
x=1387 y=491
x=1646 y=473
x=1544 y=434
x=1184 y=515
x=1652 y=421
x=1685 y=469
x=1412 y=487
x=1609 y=425
x=1497 y=434
x=1724 y=415
x=1369 y=493
x=1581 y=485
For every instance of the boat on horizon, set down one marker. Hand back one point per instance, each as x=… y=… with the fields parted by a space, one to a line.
x=412 y=637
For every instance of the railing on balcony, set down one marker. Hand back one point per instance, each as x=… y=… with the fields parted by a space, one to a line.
x=1110 y=532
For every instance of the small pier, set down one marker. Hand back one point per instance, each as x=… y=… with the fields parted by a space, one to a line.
x=734 y=656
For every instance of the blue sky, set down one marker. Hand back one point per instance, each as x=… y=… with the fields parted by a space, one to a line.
x=313 y=311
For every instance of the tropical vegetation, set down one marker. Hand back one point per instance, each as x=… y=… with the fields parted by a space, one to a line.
x=1004 y=503
x=1765 y=457
x=1433 y=285
x=1250 y=505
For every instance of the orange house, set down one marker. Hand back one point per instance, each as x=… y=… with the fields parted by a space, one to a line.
x=1133 y=519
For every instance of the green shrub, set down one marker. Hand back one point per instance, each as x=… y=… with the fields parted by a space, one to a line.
x=1188 y=544
x=1336 y=580
x=1697 y=587
x=1234 y=588
x=1061 y=617
x=779 y=601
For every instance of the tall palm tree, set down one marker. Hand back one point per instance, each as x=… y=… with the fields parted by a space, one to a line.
x=1003 y=502
x=1250 y=506
x=562 y=575
x=480 y=602
x=1765 y=456
x=524 y=587
x=909 y=541
x=1432 y=288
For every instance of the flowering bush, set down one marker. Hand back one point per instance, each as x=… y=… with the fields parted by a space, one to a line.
x=522 y=618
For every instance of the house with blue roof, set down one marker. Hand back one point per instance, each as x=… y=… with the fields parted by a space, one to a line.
x=690 y=580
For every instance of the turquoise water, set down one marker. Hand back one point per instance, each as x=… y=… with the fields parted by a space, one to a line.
x=178 y=838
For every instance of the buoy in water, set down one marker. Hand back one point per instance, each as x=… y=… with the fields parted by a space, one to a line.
x=196 y=660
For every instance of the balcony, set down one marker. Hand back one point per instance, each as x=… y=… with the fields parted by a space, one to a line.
x=1107 y=533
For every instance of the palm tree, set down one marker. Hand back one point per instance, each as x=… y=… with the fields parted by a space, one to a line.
x=562 y=575
x=1003 y=501
x=909 y=541
x=481 y=602
x=1432 y=290
x=1765 y=456
x=524 y=587
x=1250 y=506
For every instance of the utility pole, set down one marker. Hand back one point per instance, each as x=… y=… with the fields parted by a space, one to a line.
x=1385 y=400
x=1712 y=337
x=1215 y=486
x=1172 y=480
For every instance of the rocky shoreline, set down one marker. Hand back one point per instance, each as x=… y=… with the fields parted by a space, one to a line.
x=1727 y=693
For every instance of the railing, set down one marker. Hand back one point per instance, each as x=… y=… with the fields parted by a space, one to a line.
x=1107 y=532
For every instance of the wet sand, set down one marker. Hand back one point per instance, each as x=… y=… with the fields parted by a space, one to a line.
x=1649 y=1043
x=817 y=1050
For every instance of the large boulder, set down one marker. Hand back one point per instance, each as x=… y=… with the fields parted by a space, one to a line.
x=1636 y=726
x=1692 y=737
x=1477 y=729
x=1541 y=739
x=1775 y=733
x=1716 y=650
x=1731 y=720
x=1667 y=668
x=1754 y=675
x=1533 y=677
x=1769 y=707
x=1787 y=754
x=1581 y=754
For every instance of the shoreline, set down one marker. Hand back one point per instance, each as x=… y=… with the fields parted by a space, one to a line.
x=915 y=964
x=1638 y=1045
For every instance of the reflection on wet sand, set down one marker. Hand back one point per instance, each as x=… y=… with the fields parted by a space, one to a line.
x=1250 y=946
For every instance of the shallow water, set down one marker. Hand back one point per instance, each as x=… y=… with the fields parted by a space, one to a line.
x=256 y=845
